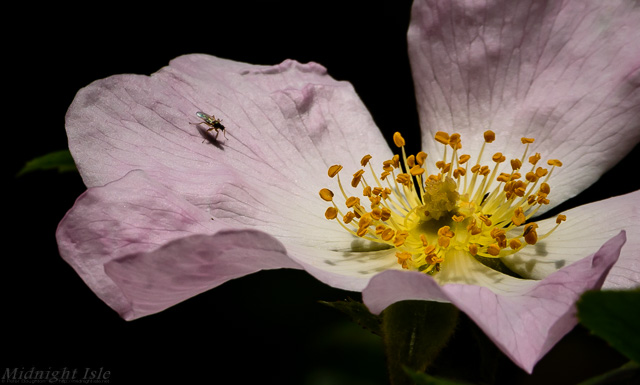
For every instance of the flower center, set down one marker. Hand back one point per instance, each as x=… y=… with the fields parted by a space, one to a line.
x=429 y=214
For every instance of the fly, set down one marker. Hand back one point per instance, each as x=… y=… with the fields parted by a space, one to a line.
x=212 y=122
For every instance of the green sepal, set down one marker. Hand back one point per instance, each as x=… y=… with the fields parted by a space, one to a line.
x=359 y=313
x=425 y=379
x=60 y=160
x=613 y=316
x=414 y=333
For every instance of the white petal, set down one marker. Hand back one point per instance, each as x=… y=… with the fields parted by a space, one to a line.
x=586 y=229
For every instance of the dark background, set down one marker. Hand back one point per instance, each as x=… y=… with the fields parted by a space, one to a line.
x=267 y=328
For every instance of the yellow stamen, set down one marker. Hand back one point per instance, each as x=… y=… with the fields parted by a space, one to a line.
x=331 y=213
x=398 y=139
x=326 y=194
x=334 y=170
x=432 y=212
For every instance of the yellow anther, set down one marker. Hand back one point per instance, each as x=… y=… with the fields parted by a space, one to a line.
x=458 y=218
x=333 y=170
x=444 y=241
x=365 y=221
x=497 y=233
x=515 y=244
x=475 y=230
x=421 y=157
x=464 y=158
x=429 y=249
x=504 y=178
x=454 y=141
x=362 y=231
x=519 y=188
x=331 y=213
x=545 y=188
x=533 y=159
x=366 y=191
x=527 y=140
x=485 y=219
x=442 y=137
x=375 y=200
x=403 y=257
x=365 y=159
x=401 y=236
x=404 y=179
x=384 y=175
x=388 y=234
x=395 y=161
x=416 y=170
x=432 y=258
x=540 y=172
x=348 y=217
x=376 y=213
x=411 y=161
x=516 y=164
x=473 y=249
x=530 y=235
x=386 y=214
x=445 y=231
x=388 y=165
x=352 y=201
x=561 y=218
x=425 y=243
x=485 y=170
x=326 y=194
x=357 y=177
x=398 y=140
x=498 y=157
x=380 y=229
x=475 y=168
x=531 y=177
x=489 y=136
x=554 y=162
x=518 y=217
x=493 y=249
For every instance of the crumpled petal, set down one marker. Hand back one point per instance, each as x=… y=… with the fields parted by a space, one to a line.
x=524 y=323
x=586 y=228
x=171 y=249
x=565 y=73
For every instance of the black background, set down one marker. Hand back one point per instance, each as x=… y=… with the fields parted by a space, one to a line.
x=267 y=328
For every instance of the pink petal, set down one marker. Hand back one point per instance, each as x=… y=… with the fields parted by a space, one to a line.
x=290 y=122
x=181 y=269
x=136 y=218
x=524 y=324
x=587 y=227
x=286 y=125
x=566 y=73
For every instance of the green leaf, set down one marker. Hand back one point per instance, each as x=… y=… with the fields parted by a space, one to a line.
x=60 y=160
x=425 y=379
x=628 y=373
x=359 y=313
x=414 y=332
x=615 y=317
